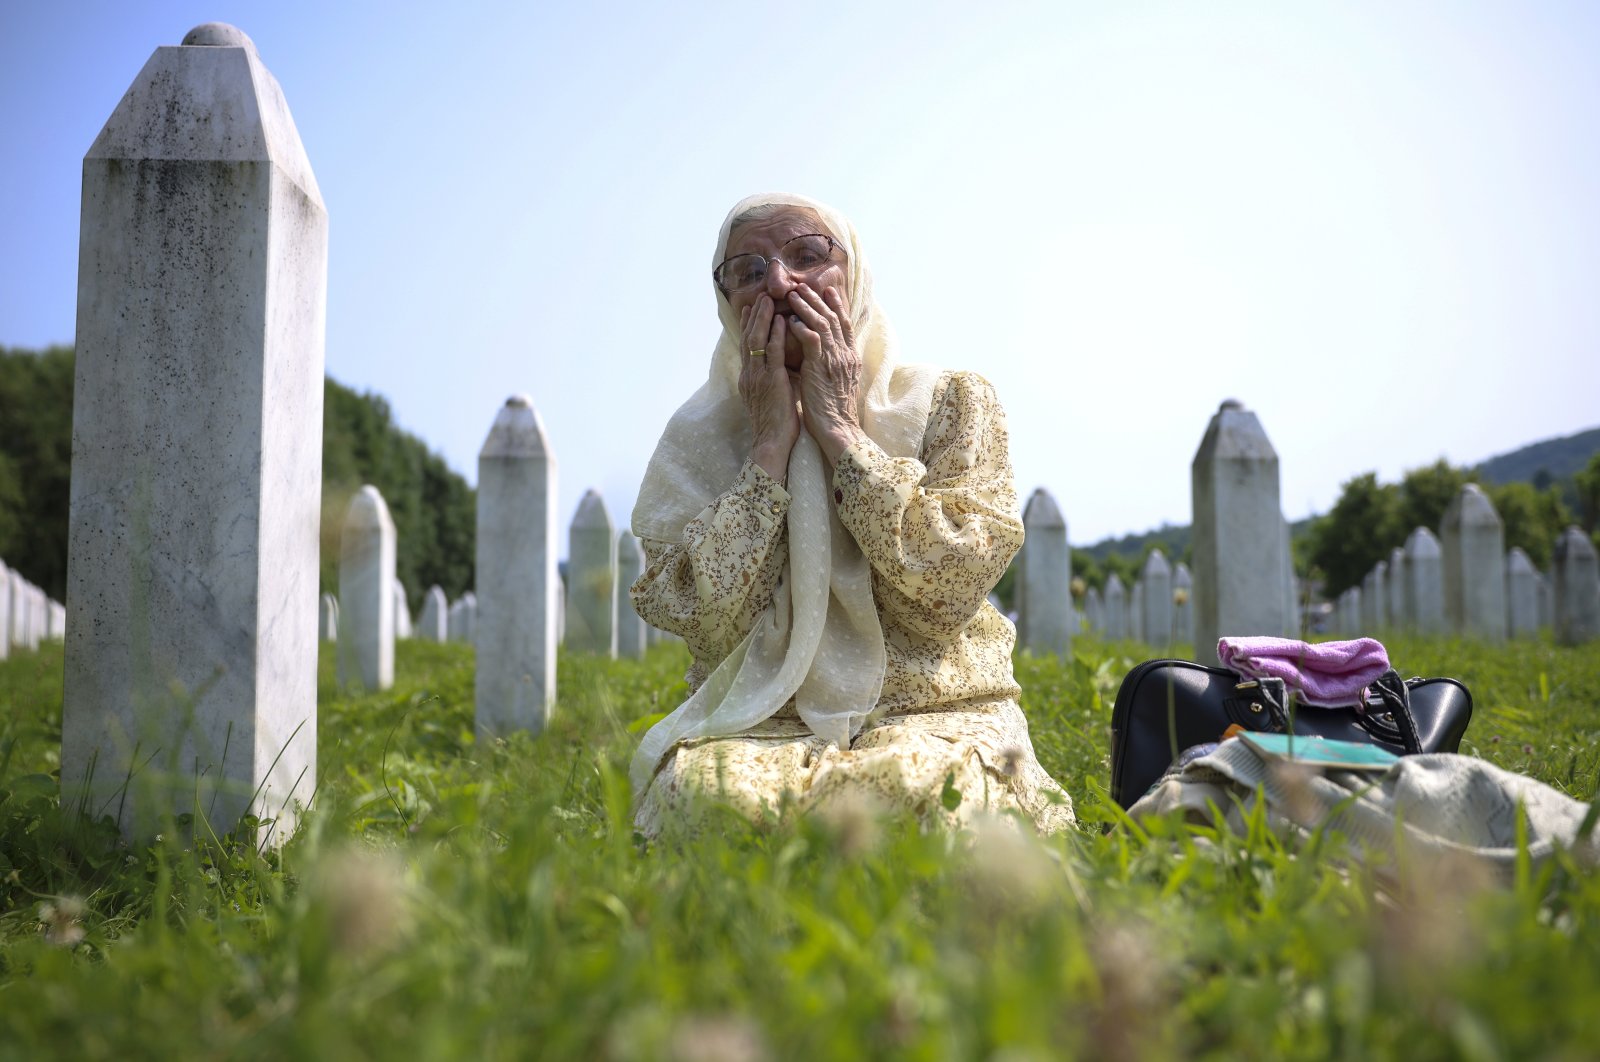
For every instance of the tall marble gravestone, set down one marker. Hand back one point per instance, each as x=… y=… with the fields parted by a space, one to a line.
x=1394 y=600
x=1044 y=578
x=16 y=633
x=457 y=621
x=1575 y=585
x=592 y=579
x=1155 y=608
x=632 y=631
x=515 y=629
x=1522 y=595
x=366 y=592
x=1423 y=591
x=1094 y=610
x=58 y=621
x=1473 y=542
x=1182 y=604
x=328 y=619
x=1350 y=614
x=402 y=612
x=1239 y=569
x=1547 y=603
x=1116 y=607
x=197 y=449
x=1136 y=612
x=1374 y=597
x=434 y=625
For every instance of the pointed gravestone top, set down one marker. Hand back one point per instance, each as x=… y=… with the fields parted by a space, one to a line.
x=1181 y=576
x=1517 y=562
x=367 y=509
x=218 y=35
x=1042 y=511
x=1114 y=583
x=1574 y=543
x=1236 y=434
x=1156 y=564
x=1423 y=544
x=1471 y=508
x=592 y=512
x=517 y=432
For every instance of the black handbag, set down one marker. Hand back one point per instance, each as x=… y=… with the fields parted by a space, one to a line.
x=1166 y=706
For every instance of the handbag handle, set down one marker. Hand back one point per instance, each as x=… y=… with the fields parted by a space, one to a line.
x=1397 y=699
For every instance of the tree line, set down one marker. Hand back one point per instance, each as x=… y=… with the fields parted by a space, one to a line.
x=434 y=510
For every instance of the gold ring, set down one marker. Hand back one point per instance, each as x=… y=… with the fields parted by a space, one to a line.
x=759 y=352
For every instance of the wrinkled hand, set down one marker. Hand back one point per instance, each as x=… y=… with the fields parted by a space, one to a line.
x=830 y=373
x=767 y=390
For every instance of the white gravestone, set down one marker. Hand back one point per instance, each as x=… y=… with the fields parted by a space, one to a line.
x=1472 y=539
x=1155 y=586
x=1182 y=604
x=1044 y=579
x=434 y=626
x=592 y=579
x=328 y=619
x=1423 y=591
x=631 y=629
x=1575 y=579
x=1522 y=595
x=1374 y=597
x=1547 y=604
x=16 y=632
x=58 y=621
x=1094 y=610
x=1394 y=600
x=469 y=618
x=1116 y=605
x=515 y=629
x=1136 y=612
x=38 y=618
x=1350 y=623
x=366 y=592
x=402 y=612
x=1238 y=534
x=5 y=611
x=457 y=621
x=197 y=449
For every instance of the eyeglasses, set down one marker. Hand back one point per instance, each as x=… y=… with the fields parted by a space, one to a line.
x=802 y=255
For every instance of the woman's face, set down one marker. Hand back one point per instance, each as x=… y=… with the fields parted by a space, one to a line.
x=767 y=238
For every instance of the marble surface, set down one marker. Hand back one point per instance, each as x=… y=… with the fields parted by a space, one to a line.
x=591 y=620
x=1044 y=579
x=1473 y=544
x=366 y=592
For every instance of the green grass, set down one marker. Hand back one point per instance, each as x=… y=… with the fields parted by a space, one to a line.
x=447 y=900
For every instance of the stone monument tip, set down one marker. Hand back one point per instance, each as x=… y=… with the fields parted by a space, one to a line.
x=519 y=402
x=1230 y=405
x=218 y=35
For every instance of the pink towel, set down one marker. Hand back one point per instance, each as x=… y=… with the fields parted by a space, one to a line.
x=1327 y=674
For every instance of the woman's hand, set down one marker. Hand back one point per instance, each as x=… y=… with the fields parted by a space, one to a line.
x=766 y=388
x=830 y=374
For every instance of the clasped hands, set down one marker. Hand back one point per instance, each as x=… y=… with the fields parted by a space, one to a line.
x=821 y=393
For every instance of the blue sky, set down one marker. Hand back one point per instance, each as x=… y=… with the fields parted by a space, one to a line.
x=1375 y=224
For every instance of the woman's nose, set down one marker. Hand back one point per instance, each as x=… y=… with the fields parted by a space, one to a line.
x=779 y=282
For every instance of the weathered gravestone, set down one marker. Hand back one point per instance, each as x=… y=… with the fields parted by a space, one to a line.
x=1136 y=612
x=1374 y=597
x=434 y=625
x=1522 y=595
x=632 y=631
x=1575 y=580
x=1155 y=589
x=1182 y=604
x=197 y=448
x=1350 y=613
x=1472 y=540
x=592 y=579
x=328 y=619
x=402 y=612
x=1423 y=583
x=515 y=631
x=1094 y=610
x=1116 y=607
x=1394 y=587
x=1044 y=576
x=58 y=621
x=366 y=592
x=1239 y=570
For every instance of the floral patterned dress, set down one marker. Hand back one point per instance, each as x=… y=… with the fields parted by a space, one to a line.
x=938 y=534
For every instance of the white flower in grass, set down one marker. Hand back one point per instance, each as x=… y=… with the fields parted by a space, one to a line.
x=718 y=1038
x=361 y=897
x=61 y=921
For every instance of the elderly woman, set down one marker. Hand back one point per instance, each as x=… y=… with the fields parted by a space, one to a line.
x=823 y=525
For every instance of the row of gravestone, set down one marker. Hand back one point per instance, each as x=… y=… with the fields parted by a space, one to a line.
x=596 y=595
x=1464 y=582
x=1243 y=578
x=27 y=614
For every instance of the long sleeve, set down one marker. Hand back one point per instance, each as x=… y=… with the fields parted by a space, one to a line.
x=938 y=532
x=711 y=587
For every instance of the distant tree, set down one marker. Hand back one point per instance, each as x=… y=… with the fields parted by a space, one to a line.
x=1360 y=530
x=36 y=464
x=1588 y=484
x=1425 y=493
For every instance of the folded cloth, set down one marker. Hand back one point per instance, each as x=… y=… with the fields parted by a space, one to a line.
x=1326 y=675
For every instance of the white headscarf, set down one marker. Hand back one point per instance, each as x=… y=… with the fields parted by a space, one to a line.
x=819 y=641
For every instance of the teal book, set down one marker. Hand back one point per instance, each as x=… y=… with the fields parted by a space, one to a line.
x=1321 y=752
